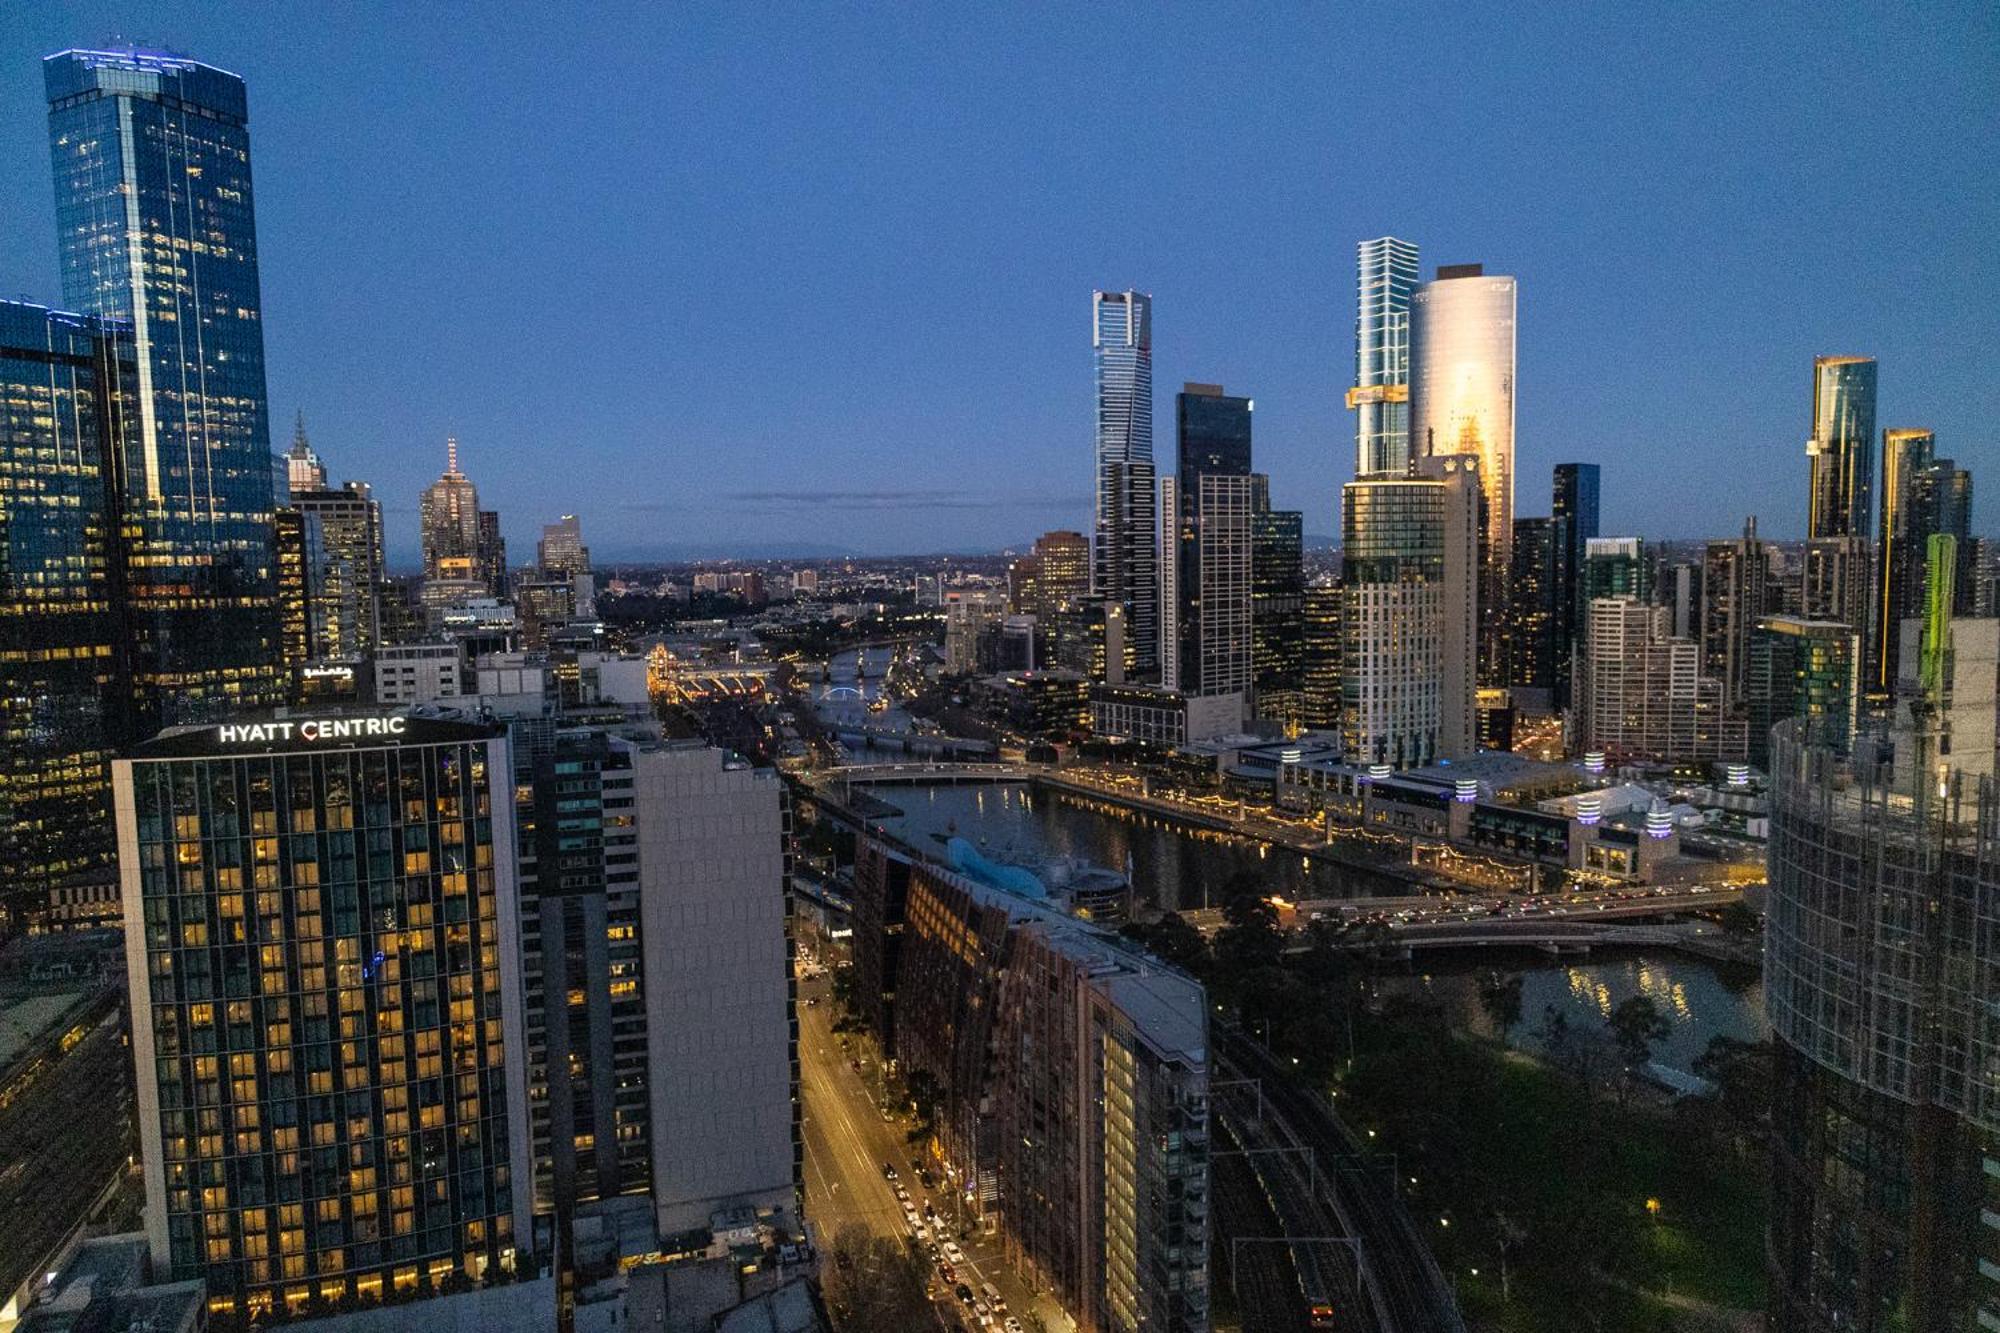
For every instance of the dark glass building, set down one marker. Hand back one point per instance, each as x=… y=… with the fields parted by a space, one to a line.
x=1205 y=549
x=1532 y=613
x=65 y=692
x=1841 y=451
x=1573 y=519
x=1803 y=668
x=1277 y=606
x=156 y=227
x=320 y=934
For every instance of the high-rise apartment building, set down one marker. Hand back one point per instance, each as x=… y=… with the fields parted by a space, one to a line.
x=1615 y=567
x=1835 y=579
x=1462 y=403
x=1408 y=557
x=1074 y=1075
x=1841 y=450
x=1206 y=547
x=1063 y=561
x=1922 y=495
x=655 y=940
x=156 y=228
x=1880 y=971
x=1125 y=550
x=1739 y=588
x=1641 y=694
x=339 y=547
x=320 y=935
x=1573 y=516
x=1803 y=668
x=66 y=700
x=1387 y=272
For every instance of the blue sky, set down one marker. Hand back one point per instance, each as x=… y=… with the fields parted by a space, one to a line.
x=726 y=274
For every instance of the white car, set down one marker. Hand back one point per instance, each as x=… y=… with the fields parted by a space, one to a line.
x=953 y=1253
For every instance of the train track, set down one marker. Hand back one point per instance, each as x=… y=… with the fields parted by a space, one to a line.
x=1400 y=1275
x=1263 y=1277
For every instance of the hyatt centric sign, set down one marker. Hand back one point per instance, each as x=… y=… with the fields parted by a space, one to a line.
x=311 y=730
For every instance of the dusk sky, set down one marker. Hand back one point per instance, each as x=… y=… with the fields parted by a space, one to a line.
x=731 y=276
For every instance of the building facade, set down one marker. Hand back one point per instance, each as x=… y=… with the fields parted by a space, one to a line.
x=1803 y=668
x=1840 y=452
x=1277 y=607
x=1531 y=594
x=1387 y=280
x=320 y=935
x=1125 y=548
x=1205 y=546
x=66 y=701
x=156 y=229
x=1409 y=579
x=1740 y=586
x=1641 y=694
x=1573 y=516
x=1462 y=403
x=1880 y=967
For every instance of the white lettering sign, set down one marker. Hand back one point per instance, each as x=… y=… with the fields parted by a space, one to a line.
x=313 y=730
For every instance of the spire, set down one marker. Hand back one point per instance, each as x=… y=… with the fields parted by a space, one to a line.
x=300 y=449
x=451 y=455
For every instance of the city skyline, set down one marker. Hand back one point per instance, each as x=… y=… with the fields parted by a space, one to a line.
x=1619 y=265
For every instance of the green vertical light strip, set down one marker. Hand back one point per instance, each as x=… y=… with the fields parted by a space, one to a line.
x=1942 y=554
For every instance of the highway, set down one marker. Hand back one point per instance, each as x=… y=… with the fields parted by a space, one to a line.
x=848 y=1140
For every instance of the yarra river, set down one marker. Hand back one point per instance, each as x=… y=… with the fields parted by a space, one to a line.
x=1177 y=867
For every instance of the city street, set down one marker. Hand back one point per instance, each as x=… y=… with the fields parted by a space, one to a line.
x=847 y=1141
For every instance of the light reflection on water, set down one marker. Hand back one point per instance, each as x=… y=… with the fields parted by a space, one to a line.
x=1171 y=865
x=1189 y=867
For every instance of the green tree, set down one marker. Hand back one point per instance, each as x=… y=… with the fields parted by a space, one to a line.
x=873 y=1282
x=1636 y=1024
x=1501 y=998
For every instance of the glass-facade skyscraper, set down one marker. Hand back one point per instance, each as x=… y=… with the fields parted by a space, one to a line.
x=1387 y=270
x=65 y=697
x=1125 y=553
x=156 y=228
x=1574 y=521
x=1841 y=450
x=1462 y=402
x=1205 y=545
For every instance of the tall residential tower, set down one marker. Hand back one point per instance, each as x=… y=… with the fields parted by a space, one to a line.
x=1381 y=393
x=1125 y=555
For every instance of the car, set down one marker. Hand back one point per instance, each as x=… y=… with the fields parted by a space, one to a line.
x=947 y=1272
x=888 y=1171
x=953 y=1253
x=964 y=1294
x=1013 y=1325
x=918 y=1233
x=902 y=1194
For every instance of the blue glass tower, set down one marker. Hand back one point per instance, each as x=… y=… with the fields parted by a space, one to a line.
x=1125 y=555
x=1387 y=270
x=156 y=227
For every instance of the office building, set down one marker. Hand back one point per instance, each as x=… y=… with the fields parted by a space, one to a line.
x=967 y=613
x=1092 y=639
x=418 y=673
x=561 y=550
x=1641 y=695
x=1125 y=550
x=66 y=700
x=1409 y=616
x=662 y=1072
x=320 y=933
x=461 y=541
x=1062 y=561
x=1573 y=516
x=1803 y=668
x=1840 y=453
x=1277 y=607
x=1532 y=592
x=156 y=228
x=1880 y=970
x=1074 y=1080
x=1740 y=586
x=1462 y=404
x=1922 y=495
x=1380 y=398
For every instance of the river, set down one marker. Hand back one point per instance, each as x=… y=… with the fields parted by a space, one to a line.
x=1178 y=867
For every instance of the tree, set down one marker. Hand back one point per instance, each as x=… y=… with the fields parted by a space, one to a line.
x=873 y=1282
x=1172 y=940
x=1636 y=1024
x=1741 y=919
x=1252 y=938
x=1501 y=998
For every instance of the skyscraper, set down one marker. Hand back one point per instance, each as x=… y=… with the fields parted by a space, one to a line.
x=1573 y=515
x=1277 y=606
x=460 y=540
x=1841 y=450
x=320 y=936
x=561 y=550
x=1408 y=579
x=1922 y=494
x=1205 y=546
x=1531 y=590
x=1641 y=694
x=1739 y=588
x=340 y=545
x=156 y=227
x=1462 y=403
x=1325 y=608
x=1387 y=270
x=1803 y=668
x=1125 y=552
x=65 y=694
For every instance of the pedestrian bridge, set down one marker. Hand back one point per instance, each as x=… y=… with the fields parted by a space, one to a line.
x=926 y=773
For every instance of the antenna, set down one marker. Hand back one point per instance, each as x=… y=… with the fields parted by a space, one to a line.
x=451 y=455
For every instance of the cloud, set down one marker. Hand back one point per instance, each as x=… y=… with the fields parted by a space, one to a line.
x=872 y=501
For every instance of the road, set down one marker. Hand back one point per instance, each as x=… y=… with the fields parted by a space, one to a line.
x=848 y=1140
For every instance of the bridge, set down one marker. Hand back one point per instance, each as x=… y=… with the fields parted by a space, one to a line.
x=926 y=773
